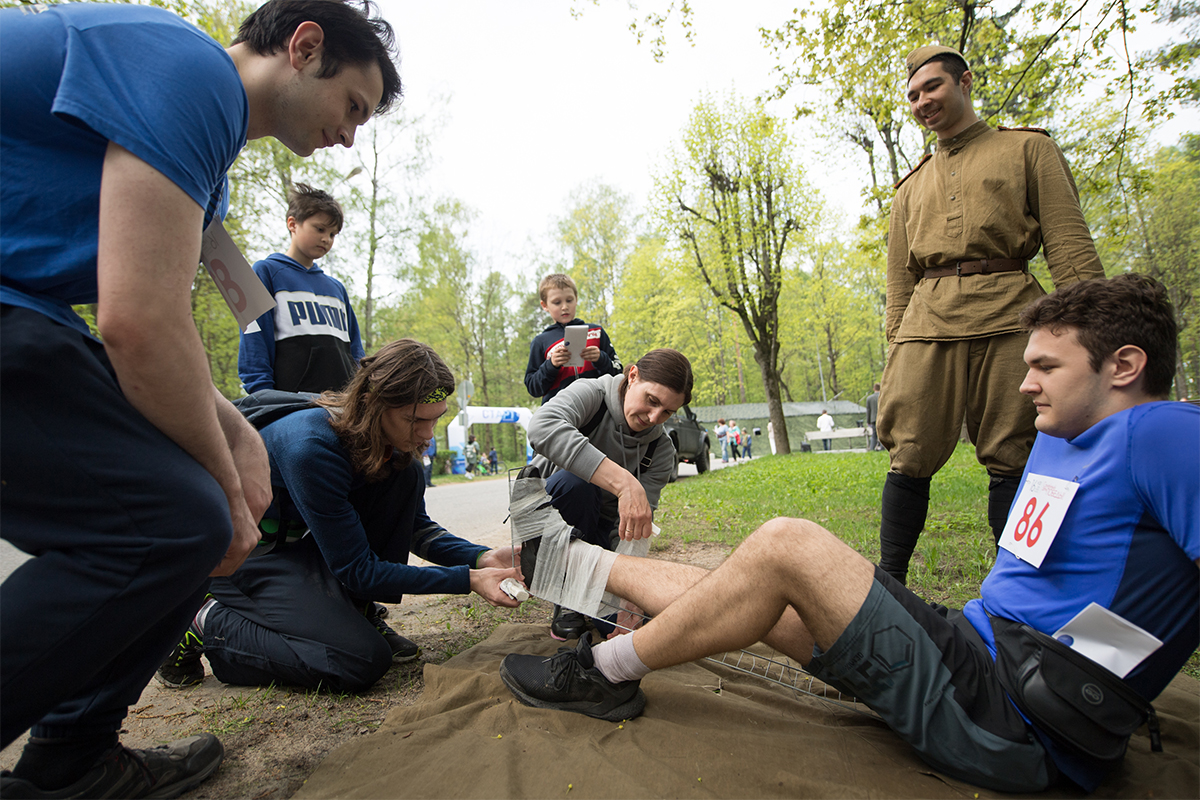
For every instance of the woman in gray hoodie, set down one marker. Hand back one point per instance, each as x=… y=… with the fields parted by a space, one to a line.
x=601 y=446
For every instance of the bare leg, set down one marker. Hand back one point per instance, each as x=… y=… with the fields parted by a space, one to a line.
x=790 y=584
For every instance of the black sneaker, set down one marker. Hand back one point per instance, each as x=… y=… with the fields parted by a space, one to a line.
x=403 y=650
x=569 y=681
x=183 y=668
x=165 y=771
x=567 y=624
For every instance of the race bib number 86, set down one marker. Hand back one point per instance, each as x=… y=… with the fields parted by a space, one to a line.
x=1036 y=517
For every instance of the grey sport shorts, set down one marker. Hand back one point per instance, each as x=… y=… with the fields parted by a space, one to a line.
x=924 y=669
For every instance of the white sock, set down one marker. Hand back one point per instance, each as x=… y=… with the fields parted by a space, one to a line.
x=202 y=614
x=618 y=661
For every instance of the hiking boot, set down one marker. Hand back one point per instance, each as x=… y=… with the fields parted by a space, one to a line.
x=403 y=650
x=569 y=681
x=567 y=624
x=183 y=668
x=165 y=771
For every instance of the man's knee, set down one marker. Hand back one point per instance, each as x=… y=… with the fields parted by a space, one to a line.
x=782 y=537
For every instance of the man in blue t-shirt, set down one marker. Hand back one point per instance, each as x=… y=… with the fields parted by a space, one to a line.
x=1101 y=358
x=125 y=474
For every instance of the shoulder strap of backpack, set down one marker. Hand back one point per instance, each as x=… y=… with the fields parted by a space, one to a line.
x=593 y=423
x=267 y=405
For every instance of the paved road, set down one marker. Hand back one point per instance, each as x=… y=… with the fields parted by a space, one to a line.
x=474 y=511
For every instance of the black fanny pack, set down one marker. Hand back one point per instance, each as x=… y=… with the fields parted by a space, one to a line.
x=1074 y=700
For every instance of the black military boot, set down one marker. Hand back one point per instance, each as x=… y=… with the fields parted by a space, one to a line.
x=904 y=507
x=1002 y=490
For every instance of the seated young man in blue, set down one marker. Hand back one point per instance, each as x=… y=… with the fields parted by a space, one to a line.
x=348 y=509
x=127 y=477
x=309 y=342
x=1101 y=358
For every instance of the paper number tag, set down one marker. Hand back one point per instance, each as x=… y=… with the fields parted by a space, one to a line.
x=1036 y=517
x=244 y=293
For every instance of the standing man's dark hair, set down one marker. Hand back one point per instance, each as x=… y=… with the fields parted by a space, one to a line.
x=353 y=35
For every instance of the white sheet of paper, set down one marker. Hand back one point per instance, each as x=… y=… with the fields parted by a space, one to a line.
x=1108 y=639
x=575 y=340
x=244 y=293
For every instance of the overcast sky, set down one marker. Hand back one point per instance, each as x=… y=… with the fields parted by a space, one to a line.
x=542 y=102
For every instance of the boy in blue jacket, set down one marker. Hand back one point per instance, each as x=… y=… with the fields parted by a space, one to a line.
x=547 y=373
x=310 y=341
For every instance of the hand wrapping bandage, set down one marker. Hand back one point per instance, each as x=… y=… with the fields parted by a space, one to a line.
x=569 y=573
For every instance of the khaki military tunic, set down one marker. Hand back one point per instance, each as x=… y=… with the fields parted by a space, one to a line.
x=983 y=194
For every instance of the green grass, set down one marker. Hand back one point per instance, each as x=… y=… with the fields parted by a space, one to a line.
x=841 y=492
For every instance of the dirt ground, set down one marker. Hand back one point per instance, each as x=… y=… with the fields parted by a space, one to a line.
x=275 y=737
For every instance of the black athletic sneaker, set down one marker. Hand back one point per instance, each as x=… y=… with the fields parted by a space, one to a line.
x=567 y=624
x=569 y=681
x=165 y=771
x=183 y=668
x=403 y=650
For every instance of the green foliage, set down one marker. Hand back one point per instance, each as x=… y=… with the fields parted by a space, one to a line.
x=738 y=206
x=598 y=231
x=464 y=313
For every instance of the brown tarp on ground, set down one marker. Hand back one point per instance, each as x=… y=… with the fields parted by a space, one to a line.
x=708 y=731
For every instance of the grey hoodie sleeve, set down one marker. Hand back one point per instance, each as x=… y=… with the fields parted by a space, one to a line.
x=554 y=428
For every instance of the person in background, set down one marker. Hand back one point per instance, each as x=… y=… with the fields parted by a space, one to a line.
x=547 y=372
x=471 y=457
x=872 y=416
x=825 y=425
x=309 y=342
x=427 y=461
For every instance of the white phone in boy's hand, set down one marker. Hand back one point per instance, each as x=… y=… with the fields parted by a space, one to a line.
x=575 y=339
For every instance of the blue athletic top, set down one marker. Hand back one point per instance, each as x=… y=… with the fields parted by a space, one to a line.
x=309 y=460
x=1129 y=543
x=309 y=342
x=72 y=79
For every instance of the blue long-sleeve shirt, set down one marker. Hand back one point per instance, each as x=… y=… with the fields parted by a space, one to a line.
x=309 y=461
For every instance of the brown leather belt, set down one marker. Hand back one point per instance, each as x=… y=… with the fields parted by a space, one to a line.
x=985 y=267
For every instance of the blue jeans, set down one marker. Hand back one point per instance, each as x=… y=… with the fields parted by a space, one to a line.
x=579 y=504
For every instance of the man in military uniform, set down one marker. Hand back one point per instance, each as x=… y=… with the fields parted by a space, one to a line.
x=964 y=224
